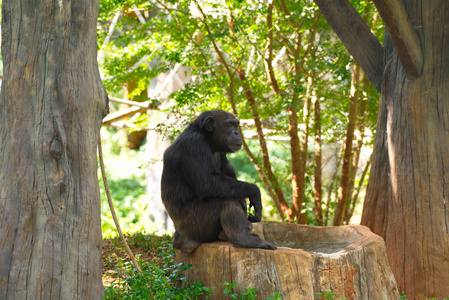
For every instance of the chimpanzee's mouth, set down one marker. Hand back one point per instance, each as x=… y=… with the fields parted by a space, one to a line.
x=235 y=146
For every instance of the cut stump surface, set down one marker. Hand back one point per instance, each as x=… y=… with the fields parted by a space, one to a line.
x=349 y=261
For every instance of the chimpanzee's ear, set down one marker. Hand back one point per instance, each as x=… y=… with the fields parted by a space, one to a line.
x=209 y=124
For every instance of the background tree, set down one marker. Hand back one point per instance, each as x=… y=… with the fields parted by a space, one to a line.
x=51 y=109
x=265 y=62
x=406 y=197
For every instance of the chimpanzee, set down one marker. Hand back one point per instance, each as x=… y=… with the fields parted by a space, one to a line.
x=199 y=188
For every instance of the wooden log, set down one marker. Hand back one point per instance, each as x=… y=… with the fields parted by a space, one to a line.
x=349 y=261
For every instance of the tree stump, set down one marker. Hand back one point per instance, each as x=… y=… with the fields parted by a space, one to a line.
x=349 y=261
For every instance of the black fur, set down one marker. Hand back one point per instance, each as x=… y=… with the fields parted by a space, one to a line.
x=200 y=190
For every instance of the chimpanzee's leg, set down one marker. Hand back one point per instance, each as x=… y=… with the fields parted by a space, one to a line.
x=249 y=226
x=223 y=237
x=234 y=223
x=203 y=221
x=243 y=205
x=197 y=222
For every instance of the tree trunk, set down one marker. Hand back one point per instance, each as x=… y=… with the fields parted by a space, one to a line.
x=407 y=195
x=330 y=187
x=297 y=172
x=346 y=168
x=263 y=144
x=292 y=121
x=51 y=108
x=359 y=136
x=349 y=261
x=318 y=185
x=302 y=217
x=355 y=198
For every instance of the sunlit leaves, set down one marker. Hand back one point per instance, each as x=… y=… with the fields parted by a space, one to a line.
x=213 y=40
x=200 y=34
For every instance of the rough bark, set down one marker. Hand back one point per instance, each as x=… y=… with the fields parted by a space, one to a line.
x=404 y=37
x=406 y=198
x=349 y=261
x=51 y=108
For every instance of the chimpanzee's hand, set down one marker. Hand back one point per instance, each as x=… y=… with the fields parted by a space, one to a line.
x=254 y=219
x=255 y=202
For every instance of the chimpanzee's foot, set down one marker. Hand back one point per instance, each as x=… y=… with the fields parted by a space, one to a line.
x=235 y=225
x=184 y=244
x=268 y=245
x=253 y=242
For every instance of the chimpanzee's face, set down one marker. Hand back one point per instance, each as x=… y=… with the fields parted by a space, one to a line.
x=223 y=131
x=233 y=139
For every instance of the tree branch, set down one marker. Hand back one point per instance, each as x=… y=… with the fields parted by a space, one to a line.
x=269 y=50
x=110 y=32
x=356 y=36
x=278 y=197
x=404 y=38
x=263 y=144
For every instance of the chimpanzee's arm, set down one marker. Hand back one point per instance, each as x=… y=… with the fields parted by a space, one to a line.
x=226 y=168
x=207 y=182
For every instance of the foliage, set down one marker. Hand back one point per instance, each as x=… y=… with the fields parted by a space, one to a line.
x=247 y=172
x=155 y=283
x=403 y=296
x=250 y=293
x=160 y=279
x=329 y=296
x=126 y=179
x=214 y=43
